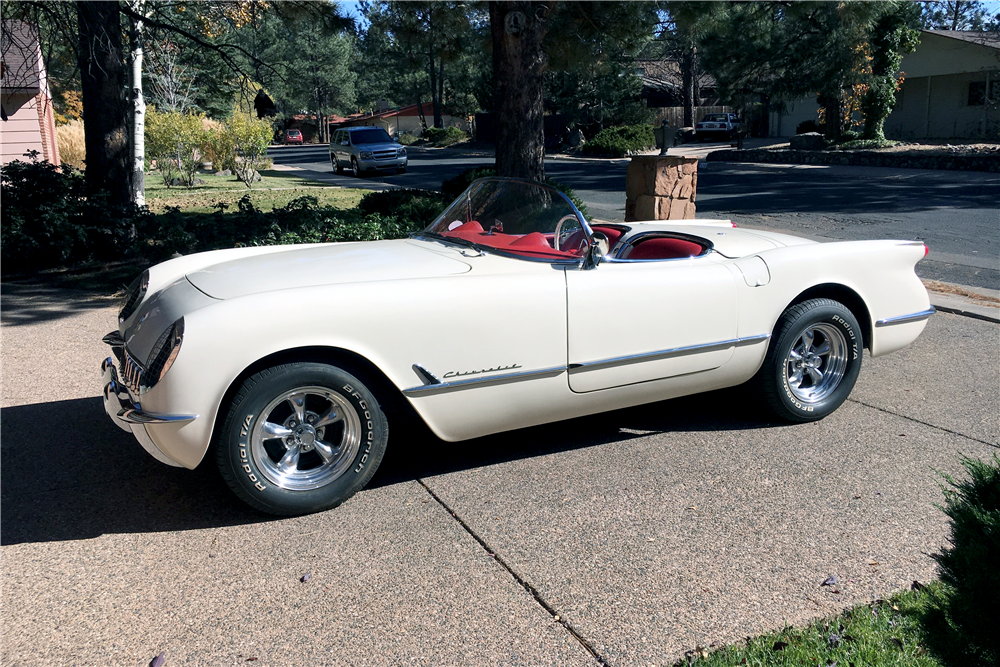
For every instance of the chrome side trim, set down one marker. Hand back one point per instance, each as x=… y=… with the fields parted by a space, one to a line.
x=906 y=319
x=484 y=381
x=666 y=354
x=426 y=375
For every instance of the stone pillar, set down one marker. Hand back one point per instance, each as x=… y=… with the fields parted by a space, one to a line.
x=661 y=187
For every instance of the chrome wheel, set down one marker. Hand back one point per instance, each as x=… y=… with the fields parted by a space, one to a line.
x=306 y=438
x=816 y=362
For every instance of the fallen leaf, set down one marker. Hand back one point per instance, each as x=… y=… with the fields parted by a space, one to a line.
x=252 y=659
x=897 y=641
x=830 y=581
x=895 y=608
x=779 y=646
x=873 y=562
x=917 y=586
x=834 y=639
x=304 y=578
x=159 y=660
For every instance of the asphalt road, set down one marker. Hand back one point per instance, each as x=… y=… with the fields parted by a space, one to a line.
x=956 y=213
x=623 y=539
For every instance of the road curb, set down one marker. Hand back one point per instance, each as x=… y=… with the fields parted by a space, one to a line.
x=958 y=304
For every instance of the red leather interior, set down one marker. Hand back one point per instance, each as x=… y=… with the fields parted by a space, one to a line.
x=664 y=248
x=613 y=234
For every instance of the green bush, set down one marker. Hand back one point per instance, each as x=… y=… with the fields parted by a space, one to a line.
x=418 y=208
x=621 y=141
x=971 y=566
x=48 y=221
x=867 y=143
x=299 y=221
x=407 y=139
x=457 y=185
x=250 y=139
x=437 y=136
x=176 y=141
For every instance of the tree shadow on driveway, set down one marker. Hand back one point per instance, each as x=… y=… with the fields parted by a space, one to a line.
x=70 y=474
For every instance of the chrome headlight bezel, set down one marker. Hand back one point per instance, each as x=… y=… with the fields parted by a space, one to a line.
x=134 y=294
x=163 y=354
x=366 y=155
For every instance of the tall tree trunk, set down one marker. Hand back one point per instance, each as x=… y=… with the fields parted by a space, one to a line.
x=518 y=67
x=431 y=70
x=439 y=107
x=105 y=108
x=138 y=144
x=420 y=107
x=688 y=63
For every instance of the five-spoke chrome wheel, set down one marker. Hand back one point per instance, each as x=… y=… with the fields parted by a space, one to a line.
x=306 y=438
x=812 y=360
x=301 y=437
x=816 y=362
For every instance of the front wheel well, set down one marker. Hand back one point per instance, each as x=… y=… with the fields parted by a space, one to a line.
x=398 y=410
x=845 y=295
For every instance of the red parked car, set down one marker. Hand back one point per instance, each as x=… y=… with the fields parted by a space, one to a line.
x=293 y=137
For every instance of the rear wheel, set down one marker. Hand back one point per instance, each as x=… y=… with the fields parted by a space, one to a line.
x=813 y=361
x=301 y=438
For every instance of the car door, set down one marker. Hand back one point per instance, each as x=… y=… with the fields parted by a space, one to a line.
x=631 y=322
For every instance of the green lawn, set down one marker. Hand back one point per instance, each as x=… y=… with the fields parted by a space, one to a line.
x=902 y=631
x=276 y=189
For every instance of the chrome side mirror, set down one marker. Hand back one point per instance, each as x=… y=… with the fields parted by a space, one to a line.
x=597 y=251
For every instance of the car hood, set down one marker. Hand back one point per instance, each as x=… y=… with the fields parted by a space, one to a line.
x=383 y=146
x=313 y=266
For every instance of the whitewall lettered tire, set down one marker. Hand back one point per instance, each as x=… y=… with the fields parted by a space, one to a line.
x=301 y=438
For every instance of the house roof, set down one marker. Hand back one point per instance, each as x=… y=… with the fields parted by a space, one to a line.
x=990 y=39
x=666 y=75
x=21 y=55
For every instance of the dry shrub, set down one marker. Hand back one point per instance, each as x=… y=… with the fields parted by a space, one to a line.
x=72 y=146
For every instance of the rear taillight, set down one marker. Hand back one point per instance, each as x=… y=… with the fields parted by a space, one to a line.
x=732 y=223
x=926 y=250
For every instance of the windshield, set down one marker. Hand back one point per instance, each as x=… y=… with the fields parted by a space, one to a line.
x=521 y=218
x=376 y=135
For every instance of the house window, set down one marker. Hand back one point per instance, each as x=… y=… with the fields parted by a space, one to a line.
x=977 y=93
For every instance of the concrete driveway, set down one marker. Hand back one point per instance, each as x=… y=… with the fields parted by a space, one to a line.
x=621 y=539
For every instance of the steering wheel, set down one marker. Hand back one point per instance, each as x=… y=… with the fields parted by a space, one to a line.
x=559 y=225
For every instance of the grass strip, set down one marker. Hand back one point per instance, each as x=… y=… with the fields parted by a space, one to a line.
x=905 y=630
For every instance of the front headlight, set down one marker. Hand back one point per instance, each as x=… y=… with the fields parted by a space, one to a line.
x=134 y=295
x=162 y=356
x=401 y=152
x=366 y=155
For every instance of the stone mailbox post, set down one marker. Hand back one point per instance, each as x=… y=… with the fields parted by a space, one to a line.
x=660 y=187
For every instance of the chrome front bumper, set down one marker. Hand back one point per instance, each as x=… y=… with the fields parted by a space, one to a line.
x=120 y=407
x=126 y=413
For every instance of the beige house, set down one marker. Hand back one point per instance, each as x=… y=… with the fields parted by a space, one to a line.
x=27 y=122
x=949 y=90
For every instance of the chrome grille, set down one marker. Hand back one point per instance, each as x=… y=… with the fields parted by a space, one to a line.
x=131 y=372
x=385 y=154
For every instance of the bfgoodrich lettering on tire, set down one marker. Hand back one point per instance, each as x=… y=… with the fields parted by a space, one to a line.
x=812 y=362
x=301 y=438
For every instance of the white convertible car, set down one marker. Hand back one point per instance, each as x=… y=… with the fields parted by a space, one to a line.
x=289 y=363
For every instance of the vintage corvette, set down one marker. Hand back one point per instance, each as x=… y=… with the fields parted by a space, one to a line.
x=287 y=364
